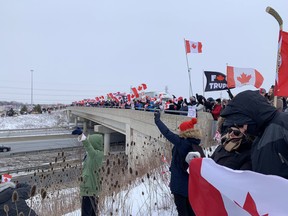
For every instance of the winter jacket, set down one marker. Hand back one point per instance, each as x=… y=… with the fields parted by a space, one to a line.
x=237 y=160
x=90 y=185
x=216 y=111
x=270 y=148
x=178 y=167
x=23 y=191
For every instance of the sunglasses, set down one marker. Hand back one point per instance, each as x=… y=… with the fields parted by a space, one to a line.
x=235 y=132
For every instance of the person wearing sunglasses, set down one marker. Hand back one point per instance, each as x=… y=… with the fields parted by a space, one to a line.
x=235 y=149
x=269 y=153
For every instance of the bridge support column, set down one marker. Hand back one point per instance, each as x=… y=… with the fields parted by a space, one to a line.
x=128 y=138
x=85 y=126
x=106 y=143
x=107 y=133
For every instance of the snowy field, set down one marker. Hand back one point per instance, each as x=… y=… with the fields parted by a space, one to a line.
x=55 y=119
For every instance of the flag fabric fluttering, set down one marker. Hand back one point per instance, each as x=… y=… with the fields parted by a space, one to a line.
x=139 y=91
x=135 y=92
x=281 y=81
x=218 y=190
x=215 y=81
x=193 y=47
x=237 y=77
x=6 y=178
x=142 y=87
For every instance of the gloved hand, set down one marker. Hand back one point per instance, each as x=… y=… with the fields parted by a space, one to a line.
x=192 y=155
x=156 y=115
x=77 y=131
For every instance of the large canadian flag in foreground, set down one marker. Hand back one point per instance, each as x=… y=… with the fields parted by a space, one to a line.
x=237 y=77
x=217 y=190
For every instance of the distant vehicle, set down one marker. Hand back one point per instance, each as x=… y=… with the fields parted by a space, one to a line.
x=5 y=148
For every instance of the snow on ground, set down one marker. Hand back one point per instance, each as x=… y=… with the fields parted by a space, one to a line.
x=45 y=120
x=143 y=197
x=146 y=196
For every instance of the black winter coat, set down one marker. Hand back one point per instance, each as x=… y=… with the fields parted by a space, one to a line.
x=23 y=191
x=237 y=160
x=178 y=167
x=270 y=148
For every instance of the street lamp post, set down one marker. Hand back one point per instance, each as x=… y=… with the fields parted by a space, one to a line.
x=31 y=87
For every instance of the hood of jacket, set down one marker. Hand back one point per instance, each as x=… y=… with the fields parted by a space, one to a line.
x=6 y=190
x=96 y=141
x=248 y=107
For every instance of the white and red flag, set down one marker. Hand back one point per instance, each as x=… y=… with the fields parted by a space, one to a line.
x=193 y=47
x=135 y=92
x=237 y=77
x=6 y=178
x=217 y=190
x=142 y=87
x=281 y=81
x=128 y=97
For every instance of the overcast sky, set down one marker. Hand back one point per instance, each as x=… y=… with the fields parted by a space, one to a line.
x=87 y=48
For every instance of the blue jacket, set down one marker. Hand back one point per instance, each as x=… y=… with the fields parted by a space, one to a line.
x=178 y=167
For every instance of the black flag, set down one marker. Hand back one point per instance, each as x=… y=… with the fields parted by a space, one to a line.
x=216 y=81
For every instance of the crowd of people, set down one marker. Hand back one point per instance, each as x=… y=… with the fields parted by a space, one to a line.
x=253 y=129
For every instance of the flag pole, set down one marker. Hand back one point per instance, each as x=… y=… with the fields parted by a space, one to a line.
x=274 y=13
x=189 y=71
x=203 y=88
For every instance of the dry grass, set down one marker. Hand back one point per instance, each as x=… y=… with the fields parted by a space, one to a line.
x=145 y=168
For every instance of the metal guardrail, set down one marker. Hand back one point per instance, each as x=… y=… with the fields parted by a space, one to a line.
x=35 y=152
x=12 y=133
x=40 y=167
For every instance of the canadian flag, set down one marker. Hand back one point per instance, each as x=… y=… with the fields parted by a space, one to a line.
x=217 y=190
x=237 y=77
x=128 y=97
x=281 y=81
x=193 y=47
x=142 y=87
x=135 y=92
x=6 y=178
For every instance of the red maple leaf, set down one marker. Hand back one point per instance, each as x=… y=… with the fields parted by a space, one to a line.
x=193 y=46
x=250 y=206
x=139 y=88
x=220 y=78
x=244 y=78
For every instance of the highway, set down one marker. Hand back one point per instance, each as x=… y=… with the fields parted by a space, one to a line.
x=33 y=155
x=21 y=144
x=34 y=132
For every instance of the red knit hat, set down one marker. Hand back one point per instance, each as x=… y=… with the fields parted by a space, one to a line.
x=187 y=124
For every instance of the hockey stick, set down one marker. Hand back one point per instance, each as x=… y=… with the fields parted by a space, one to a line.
x=274 y=13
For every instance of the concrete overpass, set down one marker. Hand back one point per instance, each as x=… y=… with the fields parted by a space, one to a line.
x=136 y=127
